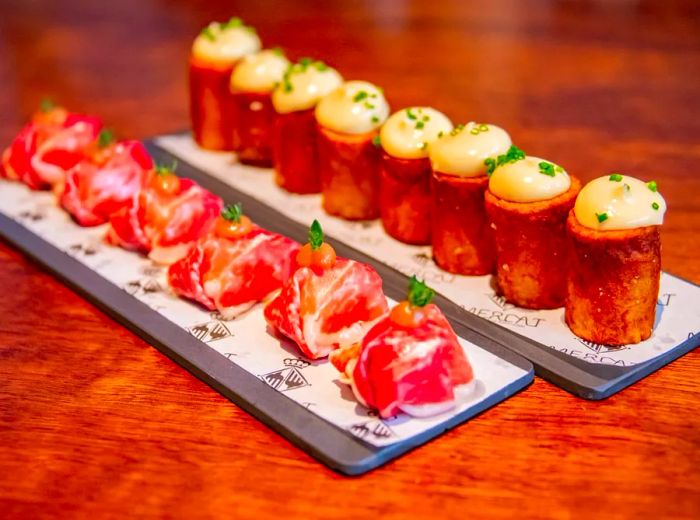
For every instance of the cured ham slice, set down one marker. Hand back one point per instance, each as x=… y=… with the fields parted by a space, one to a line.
x=410 y=361
x=105 y=182
x=328 y=302
x=166 y=218
x=234 y=267
x=51 y=144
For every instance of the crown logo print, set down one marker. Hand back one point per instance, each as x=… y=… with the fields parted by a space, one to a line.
x=296 y=363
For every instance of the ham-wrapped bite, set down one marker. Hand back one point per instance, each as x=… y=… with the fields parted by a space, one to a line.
x=252 y=83
x=348 y=126
x=615 y=260
x=166 y=218
x=527 y=202
x=405 y=202
x=215 y=52
x=235 y=266
x=106 y=180
x=410 y=361
x=294 y=143
x=50 y=145
x=328 y=302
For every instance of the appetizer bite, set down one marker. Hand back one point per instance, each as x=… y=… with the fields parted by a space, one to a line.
x=348 y=161
x=527 y=202
x=405 y=200
x=295 y=151
x=329 y=302
x=615 y=263
x=50 y=145
x=252 y=82
x=166 y=218
x=214 y=54
x=106 y=180
x=235 y=266
x=410 y=361
x=462 y=236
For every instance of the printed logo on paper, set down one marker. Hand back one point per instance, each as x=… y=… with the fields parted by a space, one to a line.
x=372 y=430
x=209 y=332
x=289 y=377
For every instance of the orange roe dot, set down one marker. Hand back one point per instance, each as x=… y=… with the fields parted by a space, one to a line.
x=324 y=257
x=406 y=315
x=230 y=229
x=305 y=256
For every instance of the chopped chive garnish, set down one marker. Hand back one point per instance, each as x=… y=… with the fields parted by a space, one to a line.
x=655 y=205
x=546 y=168
x=375 y=119
x=105 y=138
x=208 y=34
x=615 y=177
x=360 y=96
x=420 y=125
x=602 y=217
x=46 y=104
x=376 y=141
x=490 y=164
x=410 y=114
x=440 y=134
x=652 y=186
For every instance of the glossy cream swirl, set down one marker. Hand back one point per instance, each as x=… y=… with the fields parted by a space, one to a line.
x=225 y=43
x=408 y=133
x=619 y=202
x=259 y=72
x=303 y=85
x=463 y=150
x=356 y=107
x=529 y=179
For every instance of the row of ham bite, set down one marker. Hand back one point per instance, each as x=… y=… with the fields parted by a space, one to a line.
x=407 y=359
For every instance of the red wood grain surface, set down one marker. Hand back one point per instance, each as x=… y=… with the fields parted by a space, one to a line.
x=94 y=423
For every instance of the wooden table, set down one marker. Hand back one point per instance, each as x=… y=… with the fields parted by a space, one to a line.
x=95 y=423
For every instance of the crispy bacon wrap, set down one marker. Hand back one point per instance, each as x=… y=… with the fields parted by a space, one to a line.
x=105 y=182
x=295 y=152
x=349 y=171
x=405 y=201
x=211 y=104
x=252 y=130
x=167 y=217
x=462 y=237
x=231 y=272
x=328 y=302
x=412 y=363
x=46 y=148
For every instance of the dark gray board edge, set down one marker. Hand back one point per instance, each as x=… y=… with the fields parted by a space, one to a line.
x=329 y=444
x=586 y=380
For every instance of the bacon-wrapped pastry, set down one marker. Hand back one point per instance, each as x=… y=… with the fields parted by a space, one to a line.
x=215 y=52
x=410 y=361
x=252 y=83
x=615 y=261
x=166 y=218
x=348 y=125
x=295 y=150
x=106 y=180
x=461 y=234
x=50 y=145
x=235 y=266
x=528 y=201
x=328 y=302
x=405 y=200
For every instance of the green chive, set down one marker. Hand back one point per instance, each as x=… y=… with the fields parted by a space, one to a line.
x=602 y=217
x=655 y=205
x=615 y=177
x=652 y=186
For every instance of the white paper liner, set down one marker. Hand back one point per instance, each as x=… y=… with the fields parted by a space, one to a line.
x=246 y=340
x=678 y=311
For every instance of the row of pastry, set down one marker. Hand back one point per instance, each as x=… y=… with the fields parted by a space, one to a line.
x=404 y=359
x=483 y=204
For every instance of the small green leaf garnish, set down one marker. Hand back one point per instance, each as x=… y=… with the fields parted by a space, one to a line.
x=550 y=169
x=615 y=177
x=165 y=169
x=419 y=294
x=232 y=212
x=46 y=104
x=315 y=235
x=105 y=138
x=655 y=205
x=208 y=34
x=652 y=186
x=602 y=217
x=362 y=94
x=376 y=141
x=410 y=114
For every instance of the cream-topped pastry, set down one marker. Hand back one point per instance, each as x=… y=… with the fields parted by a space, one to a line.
x=619 y=202
x=463 y=150
x=516 y=177
x=355 y=107
x=408 y=133
x=303 y=85
x=259 y=72
x=225 y=43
